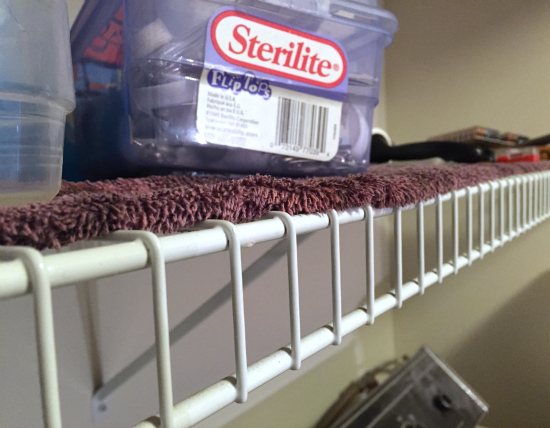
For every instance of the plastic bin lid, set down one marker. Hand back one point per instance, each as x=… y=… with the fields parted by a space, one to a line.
x=95 y=14
x=361 y=10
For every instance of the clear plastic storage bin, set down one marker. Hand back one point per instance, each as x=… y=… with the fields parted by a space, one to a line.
x=282 y=87
x=36 y=94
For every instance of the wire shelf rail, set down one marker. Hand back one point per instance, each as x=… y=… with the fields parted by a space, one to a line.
x=524 y=201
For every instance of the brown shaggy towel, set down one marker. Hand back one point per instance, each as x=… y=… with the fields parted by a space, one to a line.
x=166 y=204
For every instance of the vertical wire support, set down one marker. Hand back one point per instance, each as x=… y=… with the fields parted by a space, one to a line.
x=369 y=215
x=510 y=210
x=539 y=196
x=336 y=276
x=456 y=240
x=398 y=247
x=492 y=216
x=536 y=199
x=439 y=236
x=481 y=221
x=545 y=203
x=420 y=246
x=524 y=194
x=469 y=224
x=237 y=303
x=546 y=195
x=547 y=188
x=533 y=200
x=45 y=338
x=543 y=195
x=501 y=212
x=517 y=181
x=294 y=291
x=530 y=202
x=160 y=314
x=519 y=227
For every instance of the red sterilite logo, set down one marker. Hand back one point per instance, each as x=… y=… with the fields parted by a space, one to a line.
x=261 y=45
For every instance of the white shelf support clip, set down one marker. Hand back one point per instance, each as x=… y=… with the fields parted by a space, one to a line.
x=45 y=337
x=294 y=292
x=160 y=313
x=336 y=276
x=235 y=262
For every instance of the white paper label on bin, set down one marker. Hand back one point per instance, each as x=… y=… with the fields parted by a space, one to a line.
x=271 y=87
x=246 y=112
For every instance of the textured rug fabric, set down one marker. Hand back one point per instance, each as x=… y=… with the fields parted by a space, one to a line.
x=166 y=204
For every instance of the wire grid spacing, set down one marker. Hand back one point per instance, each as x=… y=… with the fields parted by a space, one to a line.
x=524 y=201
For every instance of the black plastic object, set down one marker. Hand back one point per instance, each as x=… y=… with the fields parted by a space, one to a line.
x=381 y=152
x=539 y=141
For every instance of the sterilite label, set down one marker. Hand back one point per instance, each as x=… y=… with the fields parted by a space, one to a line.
x=271 y=88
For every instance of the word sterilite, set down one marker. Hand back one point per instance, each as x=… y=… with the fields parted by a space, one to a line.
x=271 y=88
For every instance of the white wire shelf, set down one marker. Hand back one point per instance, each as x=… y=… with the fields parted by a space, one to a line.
x=523 y=202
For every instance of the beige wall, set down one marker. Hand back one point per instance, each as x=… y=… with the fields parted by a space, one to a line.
x=74 y=7
x=468 y=62
x=457 y=64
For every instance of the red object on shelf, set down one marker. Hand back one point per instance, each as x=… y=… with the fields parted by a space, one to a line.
x=517 y=154
x=519 y=158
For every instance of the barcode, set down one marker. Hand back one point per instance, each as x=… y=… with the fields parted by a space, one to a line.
x=301 y=125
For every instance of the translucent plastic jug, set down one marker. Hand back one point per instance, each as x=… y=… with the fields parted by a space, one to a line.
x=36 y=94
